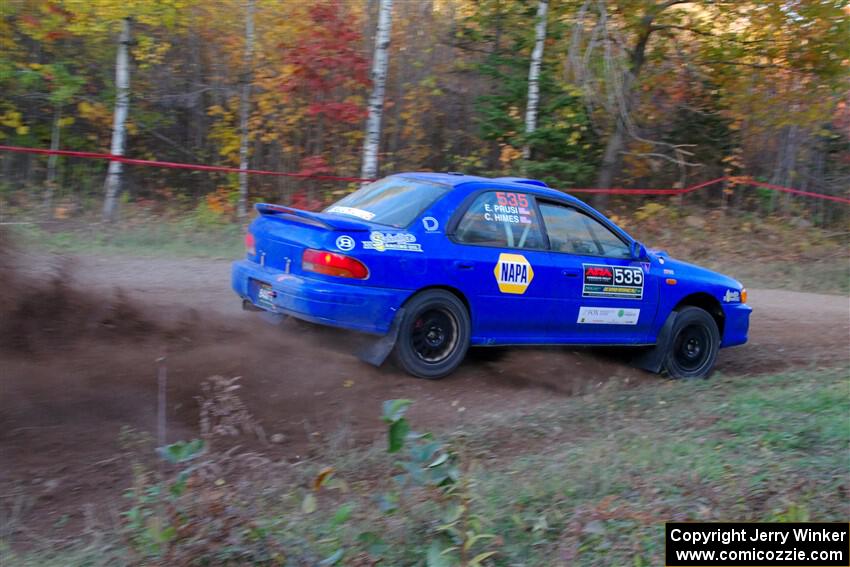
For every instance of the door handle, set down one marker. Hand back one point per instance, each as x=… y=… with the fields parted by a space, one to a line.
x=461 y=265
x=570 y=273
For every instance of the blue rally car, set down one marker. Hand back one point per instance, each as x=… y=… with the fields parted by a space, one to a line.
x=435 y=263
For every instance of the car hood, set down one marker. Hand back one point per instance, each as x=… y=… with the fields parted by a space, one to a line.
x=691 y=272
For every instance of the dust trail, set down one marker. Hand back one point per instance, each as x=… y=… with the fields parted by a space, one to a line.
x=38 y=312
x=78 y=363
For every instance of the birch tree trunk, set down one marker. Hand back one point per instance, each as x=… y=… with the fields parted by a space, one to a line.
x=50 y=185
x=119 y=132
x=534 y=76
x=245 y=107
x=379 y=81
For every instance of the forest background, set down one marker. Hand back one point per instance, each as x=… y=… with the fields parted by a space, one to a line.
x=630 y=93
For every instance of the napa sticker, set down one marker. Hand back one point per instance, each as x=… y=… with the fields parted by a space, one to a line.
x=383 y=241
x=513 y=273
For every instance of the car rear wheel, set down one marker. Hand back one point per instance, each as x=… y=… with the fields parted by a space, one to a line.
x=694 y=343
x=433 y=335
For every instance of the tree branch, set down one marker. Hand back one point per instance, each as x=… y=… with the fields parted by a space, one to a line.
x=670 y=3
x=662 y=27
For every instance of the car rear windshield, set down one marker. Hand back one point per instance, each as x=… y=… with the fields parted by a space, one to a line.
x=392 y=201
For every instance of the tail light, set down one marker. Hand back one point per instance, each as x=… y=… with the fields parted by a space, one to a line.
x=250 y=244
x=332 y=264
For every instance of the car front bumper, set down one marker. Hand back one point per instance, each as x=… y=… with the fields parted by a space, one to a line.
x=355 y=307
x=736 y=324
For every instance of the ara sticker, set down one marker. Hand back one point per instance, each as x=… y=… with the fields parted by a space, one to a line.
x=431 y=224
x=345 y=243
x=602 y=280
x=352 y=212
x=608 y=316
x=382 y=241
x=732 y=296
x=513 y=273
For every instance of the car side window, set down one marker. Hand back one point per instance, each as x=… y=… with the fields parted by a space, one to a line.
x=572 y=231
x=503 y=219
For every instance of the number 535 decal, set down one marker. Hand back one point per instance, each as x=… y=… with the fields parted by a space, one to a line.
x=602 y=280
x=511 y=199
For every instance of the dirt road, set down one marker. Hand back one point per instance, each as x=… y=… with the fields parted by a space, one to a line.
x=70 y=384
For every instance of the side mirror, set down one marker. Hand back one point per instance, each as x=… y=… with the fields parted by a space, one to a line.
x=639 y=251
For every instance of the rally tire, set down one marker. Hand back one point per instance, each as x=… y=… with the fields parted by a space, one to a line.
x=433 y=335
x=694 y=342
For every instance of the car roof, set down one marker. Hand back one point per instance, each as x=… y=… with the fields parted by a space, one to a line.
x=525 y=185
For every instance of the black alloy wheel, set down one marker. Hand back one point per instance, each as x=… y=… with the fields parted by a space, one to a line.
x=433 y=335
x=694 y=345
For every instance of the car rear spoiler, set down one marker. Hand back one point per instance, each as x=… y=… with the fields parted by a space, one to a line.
x=322 y=220
x=535 y=182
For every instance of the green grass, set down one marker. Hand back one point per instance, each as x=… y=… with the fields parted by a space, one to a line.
x=742 y=449
x=160 y=238
x=591 y=480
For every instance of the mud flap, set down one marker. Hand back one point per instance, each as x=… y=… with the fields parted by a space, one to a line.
x=377 y=352
x=653 y=359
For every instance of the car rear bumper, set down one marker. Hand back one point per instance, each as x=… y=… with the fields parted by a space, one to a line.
x=356 y=307
x=736 y=324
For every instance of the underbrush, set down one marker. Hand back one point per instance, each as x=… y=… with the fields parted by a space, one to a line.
x=772 y=252
x=584 y=481
x=768 y=252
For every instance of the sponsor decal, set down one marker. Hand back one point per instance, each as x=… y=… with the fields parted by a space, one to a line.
x=382 y=241
x=513 y=273
x=345 y=243
x=602 y=280
x=431 y=224
x=668 y=272
x=352 y=212
x=608 y=316
x=732 y=296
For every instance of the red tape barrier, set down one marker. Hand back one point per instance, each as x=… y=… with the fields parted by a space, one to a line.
x=731 y=179
x=175 y=165
x=225 y=169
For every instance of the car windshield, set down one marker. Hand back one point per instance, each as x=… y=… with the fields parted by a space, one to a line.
x=392 y=201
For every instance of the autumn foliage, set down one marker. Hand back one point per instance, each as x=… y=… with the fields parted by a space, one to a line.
x=722 y=88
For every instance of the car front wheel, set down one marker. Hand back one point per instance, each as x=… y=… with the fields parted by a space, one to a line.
x=433 y=335
x=694 y=343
